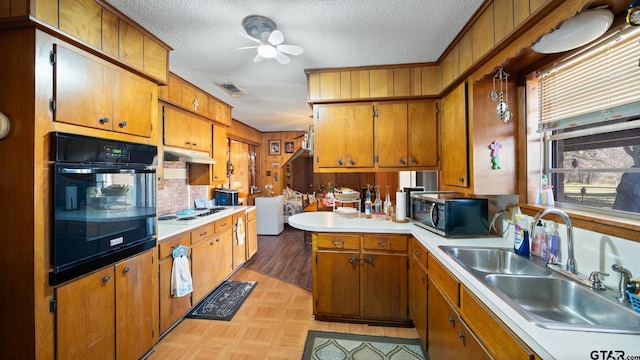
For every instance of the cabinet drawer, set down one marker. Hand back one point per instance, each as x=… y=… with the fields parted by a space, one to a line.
x=385 y=242
x=447 y=283
x=338 y=241
x=500 y=342
x=223 y=224
x=201 y=233
x=419 y=252
x=166 y=246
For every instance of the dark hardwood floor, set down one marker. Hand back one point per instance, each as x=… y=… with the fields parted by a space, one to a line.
x=284 y=257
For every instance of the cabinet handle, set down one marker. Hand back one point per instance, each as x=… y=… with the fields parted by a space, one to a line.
x=339 y=161
x=211 y=243
x=461 y=179
x=122 y=124
x=422 y=278
x=352 y=162
x=461 y=336
x=369 y=260
x=337 y=242
x=203 y=234
x=104 y=120
x=384 y=244
x=187 y=143
x=414 y=160
x=194 y=144
x=106 y=279
x=401 y=161
x=352 y=260
x=125 y=270
x=450 y=318
x=417 y=252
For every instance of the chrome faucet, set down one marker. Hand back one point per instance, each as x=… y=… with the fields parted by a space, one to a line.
x=572 y=265
x=625 y=277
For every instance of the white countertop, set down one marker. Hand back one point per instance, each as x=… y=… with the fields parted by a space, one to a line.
x=548 y=344
x=167 y=230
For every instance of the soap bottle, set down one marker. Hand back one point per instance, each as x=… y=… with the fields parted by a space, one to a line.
x=521 y=236
x=554 y=243
x=537 y=239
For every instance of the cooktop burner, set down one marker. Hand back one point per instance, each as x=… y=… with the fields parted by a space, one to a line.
x=210 y=211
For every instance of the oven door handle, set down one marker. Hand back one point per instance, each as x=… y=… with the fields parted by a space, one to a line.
x=66 y=170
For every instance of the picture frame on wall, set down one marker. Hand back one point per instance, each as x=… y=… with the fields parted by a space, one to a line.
x=274 y=147
x=288 y=147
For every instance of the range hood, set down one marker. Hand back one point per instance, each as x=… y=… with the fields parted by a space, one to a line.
x=188 y=156
x=307 y=145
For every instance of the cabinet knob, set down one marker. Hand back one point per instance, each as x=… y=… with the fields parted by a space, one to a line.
x=461 y=336
x=422 y=278
x=106 y=279
x=122 y=124
x=461 y=179
x=401 y=161
x=352 y=162
x=450 y=318
x=125 y=270
x=414 y=160
x=187 y=143
x=339 y=161
x=104 y=120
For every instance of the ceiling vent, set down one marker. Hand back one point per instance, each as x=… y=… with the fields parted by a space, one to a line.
x=231 y=89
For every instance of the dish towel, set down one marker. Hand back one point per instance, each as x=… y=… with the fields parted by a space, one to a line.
x=240 y=231
x=181 y=282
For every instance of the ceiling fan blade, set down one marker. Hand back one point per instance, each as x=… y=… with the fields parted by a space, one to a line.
x=246 y=47
x=290 y=49
x=276 y=37
x=258 y=58
x=249 y=37
x=282 y=58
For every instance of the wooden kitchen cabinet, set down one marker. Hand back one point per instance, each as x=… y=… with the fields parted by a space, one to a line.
x=343 y=136
x=184 y=130
x=131 y=45
x=406 y=135
x=172 y=307
x=454 y=138
x=81 y=19
x=105 y=98
x=360 y=277
x=449 y=337
x=211 y=256
x=418 y=289
x=220 y=154
x=251 y=233
x=111 y=313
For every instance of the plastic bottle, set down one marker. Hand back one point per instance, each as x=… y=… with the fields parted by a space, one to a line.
x=367 y=204
x=546 y=244
x=521 y=236
x=537 y=239
x=554 y=244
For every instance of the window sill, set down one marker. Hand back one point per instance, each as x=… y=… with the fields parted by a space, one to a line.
x=604 y=224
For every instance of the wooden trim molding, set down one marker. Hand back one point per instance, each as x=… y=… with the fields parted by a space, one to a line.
x=601 y=223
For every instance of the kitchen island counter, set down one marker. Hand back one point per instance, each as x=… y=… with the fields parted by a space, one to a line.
x=547 y=343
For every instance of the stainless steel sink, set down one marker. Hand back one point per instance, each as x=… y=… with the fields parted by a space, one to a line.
x=557 y=303
x=545 y=298
x=493 y=260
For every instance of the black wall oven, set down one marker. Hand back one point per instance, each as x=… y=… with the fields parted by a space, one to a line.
x=104 y=209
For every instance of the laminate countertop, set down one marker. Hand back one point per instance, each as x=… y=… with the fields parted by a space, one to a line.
x=547 y=343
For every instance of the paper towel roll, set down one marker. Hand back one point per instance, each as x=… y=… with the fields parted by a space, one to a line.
x=71 y=197
x=401 y=205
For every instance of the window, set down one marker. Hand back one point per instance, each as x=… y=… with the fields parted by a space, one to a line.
x=589 y=121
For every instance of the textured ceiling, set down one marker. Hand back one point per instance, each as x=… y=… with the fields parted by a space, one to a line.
x=334 y=33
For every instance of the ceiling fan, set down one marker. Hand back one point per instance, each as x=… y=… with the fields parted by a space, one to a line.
x=264 y=31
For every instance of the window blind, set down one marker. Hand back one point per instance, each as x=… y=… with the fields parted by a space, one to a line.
x=600 y=84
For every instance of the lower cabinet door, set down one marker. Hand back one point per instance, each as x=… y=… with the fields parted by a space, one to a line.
x=384 y=287
x=85 y=317
x=337 y=284
x=171 y=307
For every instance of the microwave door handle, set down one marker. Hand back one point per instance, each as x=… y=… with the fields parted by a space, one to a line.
x=433 y=207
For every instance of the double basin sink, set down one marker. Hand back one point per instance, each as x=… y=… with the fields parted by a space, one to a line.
x=543 y=297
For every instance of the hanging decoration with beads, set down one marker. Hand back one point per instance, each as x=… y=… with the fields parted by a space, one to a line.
x=500 y=94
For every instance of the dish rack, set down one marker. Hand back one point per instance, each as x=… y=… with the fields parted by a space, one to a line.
x=635 y=301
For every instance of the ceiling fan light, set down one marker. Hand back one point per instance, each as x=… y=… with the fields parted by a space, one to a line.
x=267 y=51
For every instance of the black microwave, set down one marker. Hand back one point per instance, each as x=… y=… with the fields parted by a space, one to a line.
x=227 y=197
x=450 y=214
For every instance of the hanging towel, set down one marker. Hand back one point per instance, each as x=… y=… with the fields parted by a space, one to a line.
x=181 y=283
x=240 y=231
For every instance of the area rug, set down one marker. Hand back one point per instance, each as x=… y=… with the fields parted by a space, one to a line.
x=322 y=345
x=224 y=301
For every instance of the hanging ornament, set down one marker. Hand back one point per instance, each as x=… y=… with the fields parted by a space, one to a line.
x=500 y=94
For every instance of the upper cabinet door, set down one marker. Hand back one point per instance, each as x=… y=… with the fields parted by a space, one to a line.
x=329 y=144
x=83 y=90
x=133 y=105
x=391 y=135
x=82 y=19
x=423 y=134
x=455 y=165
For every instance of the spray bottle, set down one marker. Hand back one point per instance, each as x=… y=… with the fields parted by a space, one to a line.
x=521 y=236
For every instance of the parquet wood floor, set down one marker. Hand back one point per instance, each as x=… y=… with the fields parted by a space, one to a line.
x=271 y=324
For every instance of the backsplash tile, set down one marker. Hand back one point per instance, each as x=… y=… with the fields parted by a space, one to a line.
x=177 y=194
